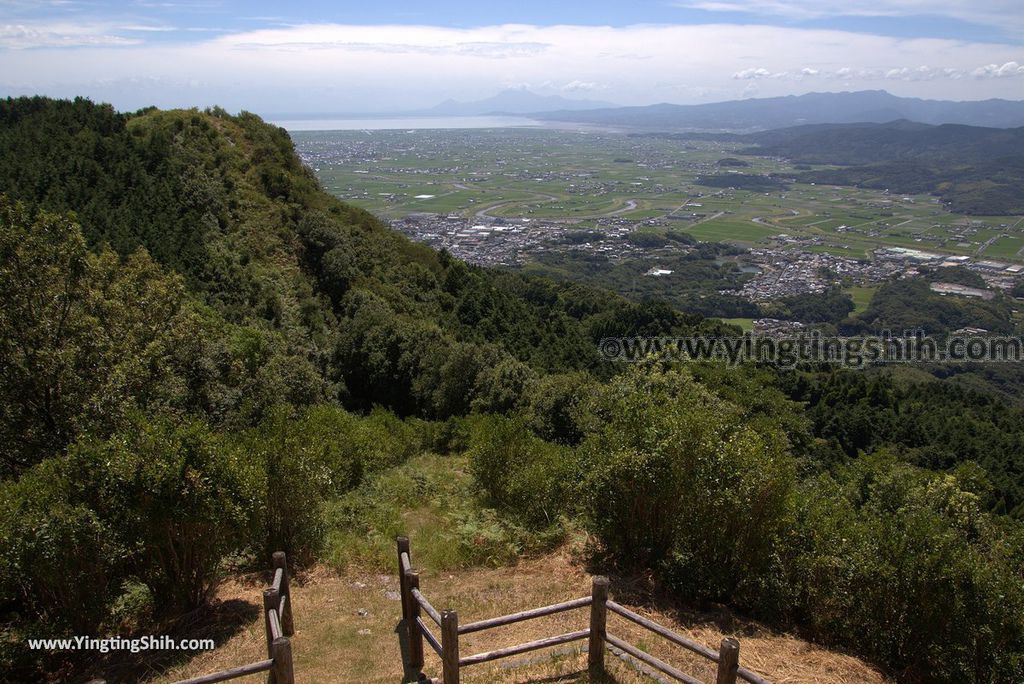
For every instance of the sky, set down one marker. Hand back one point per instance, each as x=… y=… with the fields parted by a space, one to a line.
x=392 y=56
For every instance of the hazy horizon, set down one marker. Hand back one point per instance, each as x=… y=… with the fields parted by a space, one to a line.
x=317 y=59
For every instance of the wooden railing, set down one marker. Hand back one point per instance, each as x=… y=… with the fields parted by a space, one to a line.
x=278 y=628
x=415 y=605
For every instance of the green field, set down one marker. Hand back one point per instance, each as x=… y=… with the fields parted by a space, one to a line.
x=746 y=324
x=861 y=297
x=1006 y=247
x=731 y=230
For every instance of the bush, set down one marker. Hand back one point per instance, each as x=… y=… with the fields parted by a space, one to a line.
x=133 y=609
x=673 y=478
x=385 y=440
x=319 y=456
x=60 y=559
x=445 y=437
x=903 y=566
x=115 y=532
x=300 y=463
x=519 y=473
x=554 y=405
x=174 y=497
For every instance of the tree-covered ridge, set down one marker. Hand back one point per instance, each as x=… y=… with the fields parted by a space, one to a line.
x=868 y=143
x=302 y=286
x=974 y=169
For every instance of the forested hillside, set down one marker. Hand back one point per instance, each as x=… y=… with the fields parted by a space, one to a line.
x=206 y=358
x=279 y=290
x=974 y=170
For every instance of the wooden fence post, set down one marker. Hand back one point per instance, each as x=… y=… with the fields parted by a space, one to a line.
x=271 y=600
x=728 y=661
x=412 y=581
x=403 y=587
x=287 y=623
x=450 y=646
x=281 y=652
x=598 y=627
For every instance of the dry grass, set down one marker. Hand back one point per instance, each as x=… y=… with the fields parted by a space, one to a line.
x=346 y=631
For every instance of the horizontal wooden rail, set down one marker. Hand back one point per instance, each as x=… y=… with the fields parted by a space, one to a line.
x=657 y=664
x=752 y=677
x=233 y=673
x=524 y=648
x=677 y=639
x=746 y=675
x=524 y=615
x=425 y=605
x=680 y=640
x=414 y=603
x=429 y=636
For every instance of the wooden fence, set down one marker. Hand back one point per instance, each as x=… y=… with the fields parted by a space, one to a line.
x=415 y=605
x=278 y=628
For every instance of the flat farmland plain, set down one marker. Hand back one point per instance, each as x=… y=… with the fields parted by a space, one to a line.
x=596 y=178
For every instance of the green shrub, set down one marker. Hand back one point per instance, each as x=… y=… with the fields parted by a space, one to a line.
x=173 y=495
x=116 y=532
x=300 y=463
x=674 y=479
x=319 y=456
x=903 y=566
x=60 y=559
x=385 y=440
x=133 y=609
x=554 y=405
x=520 y=474
x=445 y=437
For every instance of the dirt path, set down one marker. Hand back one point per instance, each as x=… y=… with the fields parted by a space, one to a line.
x=348 y=630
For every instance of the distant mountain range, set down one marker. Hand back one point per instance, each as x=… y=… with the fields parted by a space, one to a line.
x=874 y=106
x=514 y=101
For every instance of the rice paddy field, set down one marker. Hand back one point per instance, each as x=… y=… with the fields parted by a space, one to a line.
x=601 y=178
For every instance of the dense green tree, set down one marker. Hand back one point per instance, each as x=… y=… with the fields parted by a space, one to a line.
x=83 y=336
x=827 y=307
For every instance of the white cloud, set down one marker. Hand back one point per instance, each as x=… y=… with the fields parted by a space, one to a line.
x=923 y=73
x=23 y=36
x=375 y=68
x=1002 y=14
x=752 y=73
x=578 y=86
x=999 y=71
x=918 y=73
